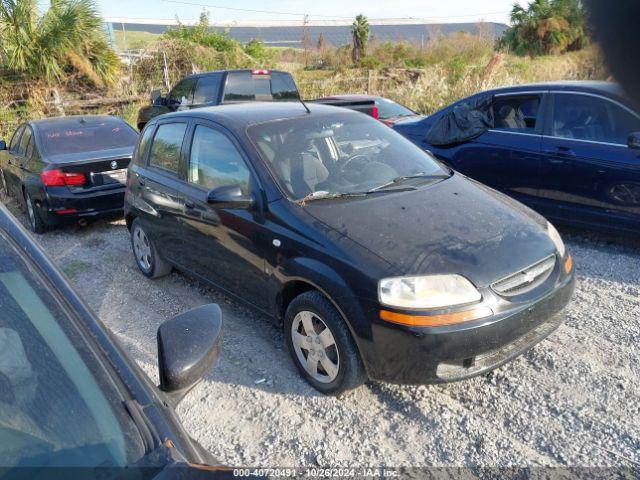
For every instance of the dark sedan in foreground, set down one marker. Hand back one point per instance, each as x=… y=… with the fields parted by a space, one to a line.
x=570 y=150
x=68 y=169
x=380 y=262
x=72 y=403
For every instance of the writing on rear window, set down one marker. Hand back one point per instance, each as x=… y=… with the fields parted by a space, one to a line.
x=86 y=138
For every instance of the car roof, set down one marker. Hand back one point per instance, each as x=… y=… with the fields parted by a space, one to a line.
x=592 y=86
x=212 y=72
x=73 y=120
x=241 y=115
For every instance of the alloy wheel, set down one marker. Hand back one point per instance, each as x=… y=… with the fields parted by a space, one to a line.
x=142 y=248
x=315 y=346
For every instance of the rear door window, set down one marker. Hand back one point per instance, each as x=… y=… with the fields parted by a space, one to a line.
x=207 y=89
x=585 y=117
x=165 y=150
x=518 y=113
x=215 y=161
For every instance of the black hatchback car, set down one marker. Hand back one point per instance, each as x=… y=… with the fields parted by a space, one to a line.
x=72 y=402
x=68 y=169
x=381 y=262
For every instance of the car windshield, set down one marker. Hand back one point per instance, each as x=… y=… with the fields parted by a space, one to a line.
x=58 y=406
x=340 y=154
x=60 y=138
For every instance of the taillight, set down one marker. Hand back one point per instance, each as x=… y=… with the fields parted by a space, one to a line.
x=375 y=113
x=58 y=178
x=260 y=71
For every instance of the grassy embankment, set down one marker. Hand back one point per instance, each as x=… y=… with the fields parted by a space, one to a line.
x=424 y=79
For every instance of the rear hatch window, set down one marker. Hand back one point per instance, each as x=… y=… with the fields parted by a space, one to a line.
x=259 y=85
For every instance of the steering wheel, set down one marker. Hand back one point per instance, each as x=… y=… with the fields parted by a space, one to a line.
x=348 y=164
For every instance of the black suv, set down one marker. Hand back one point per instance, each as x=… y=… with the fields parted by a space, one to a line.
x=221 y=86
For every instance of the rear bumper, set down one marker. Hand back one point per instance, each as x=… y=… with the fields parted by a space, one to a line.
x=446 y=354
x=60 y=205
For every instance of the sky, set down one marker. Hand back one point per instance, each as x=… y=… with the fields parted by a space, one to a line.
x=293 y=10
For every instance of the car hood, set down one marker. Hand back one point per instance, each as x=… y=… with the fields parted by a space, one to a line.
x=453 y=226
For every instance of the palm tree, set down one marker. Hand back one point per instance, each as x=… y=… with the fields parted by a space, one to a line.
x=360 y=33
x=67 y=38
x=546 y=27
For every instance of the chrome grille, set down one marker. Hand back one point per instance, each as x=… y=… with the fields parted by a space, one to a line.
x=527 y=279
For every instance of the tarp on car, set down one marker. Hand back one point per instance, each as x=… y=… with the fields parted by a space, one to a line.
x=464 y=122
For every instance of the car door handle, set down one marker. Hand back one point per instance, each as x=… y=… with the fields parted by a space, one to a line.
x=561 y=150
x=189 y=204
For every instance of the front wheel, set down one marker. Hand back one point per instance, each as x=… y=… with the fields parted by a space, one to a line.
x=321 y=345
x=147 y=258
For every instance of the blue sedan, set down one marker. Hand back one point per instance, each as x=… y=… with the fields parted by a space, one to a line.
x=570 y=150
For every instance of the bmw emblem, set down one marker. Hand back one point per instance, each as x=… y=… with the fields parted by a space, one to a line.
x=114 y=165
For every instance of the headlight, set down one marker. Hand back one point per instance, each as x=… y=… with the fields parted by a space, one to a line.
x=555 y=238
x=435 y=291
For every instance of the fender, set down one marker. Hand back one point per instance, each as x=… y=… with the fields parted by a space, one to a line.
x=326 y=280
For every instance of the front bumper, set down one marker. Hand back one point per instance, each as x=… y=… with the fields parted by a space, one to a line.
x=410 y=355
x=59 y=205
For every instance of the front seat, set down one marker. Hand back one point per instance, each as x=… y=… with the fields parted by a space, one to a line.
x=509 y=117
x=300 y=169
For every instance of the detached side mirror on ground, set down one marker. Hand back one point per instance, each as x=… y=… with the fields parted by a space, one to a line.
x=3 y=145
x=634 y=140
x=188 y=347
x=229 y=196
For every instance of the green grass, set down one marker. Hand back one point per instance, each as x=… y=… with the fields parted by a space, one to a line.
x=132 y=39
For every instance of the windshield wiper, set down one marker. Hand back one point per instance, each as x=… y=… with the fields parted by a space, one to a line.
x=402 y=179
x=322 y=195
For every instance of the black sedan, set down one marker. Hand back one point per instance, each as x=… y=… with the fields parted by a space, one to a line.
x=380 y=262
x=72 y=403
x=68 y=169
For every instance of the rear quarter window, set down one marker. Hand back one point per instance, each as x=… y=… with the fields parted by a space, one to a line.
x=142 y=148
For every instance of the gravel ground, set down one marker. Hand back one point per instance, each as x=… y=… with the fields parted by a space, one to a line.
x=573 y=400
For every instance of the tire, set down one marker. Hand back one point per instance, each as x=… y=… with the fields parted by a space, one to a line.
x=146 y=254
x=337 y=362
x=3 y=182
x=35 y=220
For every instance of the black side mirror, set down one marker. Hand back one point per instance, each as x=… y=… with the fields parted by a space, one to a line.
x=3 y=145
x=156 y=97
x=188 y=347
x=634 y=140
x=229 y=196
